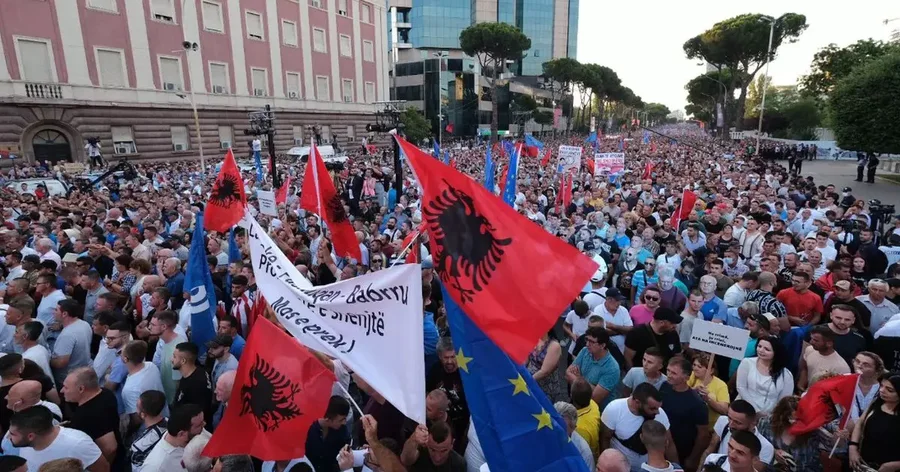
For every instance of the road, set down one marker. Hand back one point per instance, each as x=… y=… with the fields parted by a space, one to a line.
x=843 y=174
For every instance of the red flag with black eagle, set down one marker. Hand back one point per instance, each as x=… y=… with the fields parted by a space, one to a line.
x=688 y=200
x=227 y=200
x=819 y=405
x=320 y=197
x=280 y=389
x=510 y=276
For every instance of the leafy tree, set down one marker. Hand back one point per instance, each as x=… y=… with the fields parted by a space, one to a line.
x=832 y=64
x=705 y=91
x=865 y=107
x=416 y=127
x=804 y=117
x=564 y=72
x=656 y=112
x=741 y=44
x=494 y=44
x=523 y=108
x=699 y=112
x=543 y=118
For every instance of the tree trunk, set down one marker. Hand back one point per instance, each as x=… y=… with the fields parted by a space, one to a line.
x=739 y=116
x=590 y=110
x=495 y=104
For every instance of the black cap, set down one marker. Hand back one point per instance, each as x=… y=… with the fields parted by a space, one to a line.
x=847 y=189
x=33 y=258
x=220 y=340
x=667 y=314
x=24 y=218
x=615 y=294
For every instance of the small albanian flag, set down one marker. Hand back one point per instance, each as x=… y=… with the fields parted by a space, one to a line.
x=227 y=199
x=282 y=193
x=820 y=404
x=280 y=389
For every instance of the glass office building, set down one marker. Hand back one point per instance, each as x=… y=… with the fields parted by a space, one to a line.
x=436 y=24
x=572 y=46
x=535 y=19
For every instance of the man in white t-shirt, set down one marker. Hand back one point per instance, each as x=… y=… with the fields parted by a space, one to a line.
x=185 y=422
x=40 y=441
x=743 y=452
x=576 y=322
x=28 y=337
x=623 y=419
x=142 y=376
x=741 y=417
x=615 y=317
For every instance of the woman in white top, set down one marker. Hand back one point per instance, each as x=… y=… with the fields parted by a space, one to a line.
x=765 y=379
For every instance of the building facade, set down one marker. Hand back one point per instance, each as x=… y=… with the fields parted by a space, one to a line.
x=128 y=72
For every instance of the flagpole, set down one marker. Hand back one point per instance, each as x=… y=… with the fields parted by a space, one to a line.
x=352 y=401
x=680 y=206
x=405 y=250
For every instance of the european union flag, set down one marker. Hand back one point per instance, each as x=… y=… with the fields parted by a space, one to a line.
x=489 y=172
x=198 y=283
x=446 y=158
x=259 y=171
x=531 y=141
x=646 y=137
x=592 y=138
x=509 y=148
x=437 y=149
x=509 y=190
x=518 y=427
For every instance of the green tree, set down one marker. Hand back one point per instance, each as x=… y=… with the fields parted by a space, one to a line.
x=523 y=108
x=832 y=64
x=562 y=72
x=754 y=95
x=803 y=117
x=657 y=112
x=494 y=44
x=741 y=44
x=415 y=126
x=865 y=107
x=543 y=118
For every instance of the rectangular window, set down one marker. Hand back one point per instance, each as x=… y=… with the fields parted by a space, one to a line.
x=345 y=46
x=170 y=73
x=260 y=79
x=254 y=25
x=322 y=88
x=163 y=10
x=315 y=3
x=212 y=17
x=342 y=8
x=105 y=5
x=351 y=134
x=111 y=68
x=319 y=40
x=289 y=32
x=347 y=90
x=218 y=77
x=298 y=135
x=36 y=60
x=180 y=138
x=226 y=137
x=366 y=14
x=293 y=85
x=123 y=140
x=326 y=133
x=368 y=51
x=370 y=92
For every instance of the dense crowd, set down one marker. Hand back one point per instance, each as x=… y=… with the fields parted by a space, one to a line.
x=99 y=371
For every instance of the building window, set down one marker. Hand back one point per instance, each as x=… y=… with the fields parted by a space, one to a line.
x=111 y=68
x=105 y=5
x=326 y=133
x=180 y=138
x=260 y=82
x=537 y=53
x=351 y=134
x=346 y=50
x=254 y=25
x=218 y=77
x=368 y=51
x=298 y=135
x=35 y=57
x=347 y=90
x=212 y=17
x=289 y=32
x=370 y=92
x=293 y=85
x=226 y=137
x=163 y=10
x=319 y=40
x=342 y=8
x=366 y=14
x=322 y=88
x=170 y=73
x=123 y=140
x=315 y=3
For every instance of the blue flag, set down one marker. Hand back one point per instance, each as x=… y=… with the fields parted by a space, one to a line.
x=646 y=137
x=530 y=141
x=446 y=158
x=518 y=427
x=509 y=191
x=198 y=283
x=489 y=172
x=234 y=255
x=509 y=148
x=592 y=138
x=437 y=149
x=259 y=171
x=621 y=144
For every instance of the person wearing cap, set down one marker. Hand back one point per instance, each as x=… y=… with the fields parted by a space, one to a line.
x=616 y=319
x=596 y=295
x=660 y=332
x=218 y=349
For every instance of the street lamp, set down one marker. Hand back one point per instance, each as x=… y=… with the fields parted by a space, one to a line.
x=440 y=55
x=762 y=105
x=189 y=47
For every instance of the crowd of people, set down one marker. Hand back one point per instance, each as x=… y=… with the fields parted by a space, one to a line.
x=99 y=371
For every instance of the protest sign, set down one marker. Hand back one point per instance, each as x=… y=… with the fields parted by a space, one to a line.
x=569 y=158
x=267 y=202
x=719 y=339
x=609 y=162
x=372 y=323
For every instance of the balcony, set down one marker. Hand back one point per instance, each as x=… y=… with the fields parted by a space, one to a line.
x=43 y=91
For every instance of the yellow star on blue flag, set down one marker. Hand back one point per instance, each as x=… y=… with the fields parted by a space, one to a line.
x=518 y=427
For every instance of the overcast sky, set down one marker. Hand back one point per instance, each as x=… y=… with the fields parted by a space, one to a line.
x=643 y=41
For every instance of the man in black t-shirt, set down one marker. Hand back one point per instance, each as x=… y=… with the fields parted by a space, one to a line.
x=431 y=450
x=97 y=414
x=659 y=332
x=194 y=387
x=445 y=376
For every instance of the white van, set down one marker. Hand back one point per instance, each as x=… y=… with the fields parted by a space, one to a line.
x=326 y=151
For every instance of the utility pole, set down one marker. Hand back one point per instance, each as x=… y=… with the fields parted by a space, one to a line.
x=387 y=120
x=263 y=123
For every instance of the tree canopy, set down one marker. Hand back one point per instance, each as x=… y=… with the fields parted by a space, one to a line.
x=656 y=111
x=415 y=127
x=832 y=64
x=865 y=107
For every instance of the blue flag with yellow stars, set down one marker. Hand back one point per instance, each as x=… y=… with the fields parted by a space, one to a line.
x=516 y=424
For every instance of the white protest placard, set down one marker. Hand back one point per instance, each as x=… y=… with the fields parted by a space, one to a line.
x=569 y=158
x=267 y=204
x=719 y=339
x=609 y=162
x=372 y=323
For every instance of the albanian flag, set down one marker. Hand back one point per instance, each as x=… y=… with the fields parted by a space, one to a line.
x=279 y=390
x=227 y=199
x=688 y=199
x=509 y=275
x=320 y=197
x=282 y=193
x=819 y=405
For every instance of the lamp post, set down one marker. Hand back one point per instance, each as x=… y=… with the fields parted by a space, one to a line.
x=762 y=105
x=440 y=55
x=187 y=48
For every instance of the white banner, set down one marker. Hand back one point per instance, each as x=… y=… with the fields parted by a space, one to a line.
x=267 y=202
x=569 y=158
x=719 y=339
x=608 y=162
x=372 y=323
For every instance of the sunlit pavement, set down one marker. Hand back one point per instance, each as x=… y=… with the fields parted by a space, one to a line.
x=843 y=174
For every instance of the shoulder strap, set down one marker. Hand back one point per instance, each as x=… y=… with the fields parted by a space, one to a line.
x=721 y=461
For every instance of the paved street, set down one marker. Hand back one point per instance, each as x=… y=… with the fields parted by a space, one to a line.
x=842 y=174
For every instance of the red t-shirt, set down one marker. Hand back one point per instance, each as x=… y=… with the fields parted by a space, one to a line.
x=805 y=305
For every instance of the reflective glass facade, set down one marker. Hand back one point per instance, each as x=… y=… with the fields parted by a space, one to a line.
x=438 y=23
x=535 y=19
x=572 y=48
x=506 y=11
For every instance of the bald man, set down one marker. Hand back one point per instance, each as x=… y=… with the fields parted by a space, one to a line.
x=611 y=460
x=223 y=393
x=21 y=396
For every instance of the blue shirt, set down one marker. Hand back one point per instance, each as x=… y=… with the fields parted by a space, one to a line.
x=431 y=337
x=237 y=346
x=640 y=281
x=603 y=372
x=730 y=318
x=713 y=308
x=117 y=374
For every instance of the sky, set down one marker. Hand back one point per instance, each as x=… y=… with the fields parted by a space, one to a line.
x=643 y=42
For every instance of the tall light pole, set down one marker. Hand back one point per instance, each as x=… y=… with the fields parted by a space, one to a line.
x=762 y=105
x=193 y=47
x=440 y=55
